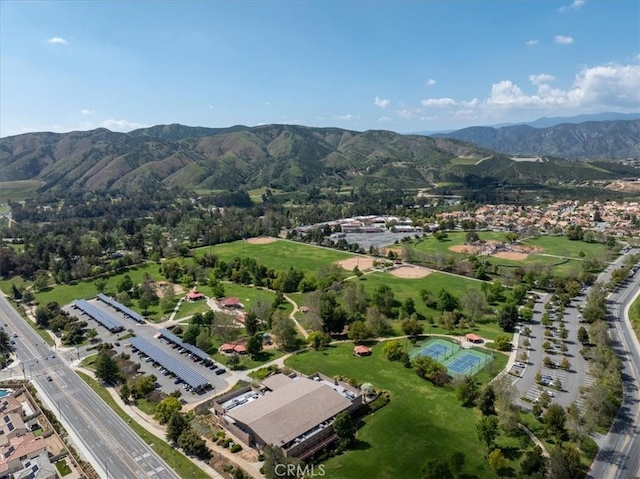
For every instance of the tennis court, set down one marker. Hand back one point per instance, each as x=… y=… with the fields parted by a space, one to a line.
x=438 y=349
x=467 y=363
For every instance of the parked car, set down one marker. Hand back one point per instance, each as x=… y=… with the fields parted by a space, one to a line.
x=221 y=371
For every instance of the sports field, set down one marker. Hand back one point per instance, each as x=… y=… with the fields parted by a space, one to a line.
x=279 y=254
x=420 y=422
x=467 y=362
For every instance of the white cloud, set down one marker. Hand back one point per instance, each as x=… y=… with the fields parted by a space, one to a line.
x=347 y=117
x=267 y=103
x=575 y=5
x=600 y=88
x=538 y=80
x=428 y=118
x=319 y=117
x=431 y=81
x=86 y=112
x=406 y=113
x=533 y=41
x=210 y=106
x=384 y=119
x=563 y=40
x=438 y=102
x=122 y=125
x=380 y=103
x=57 y=41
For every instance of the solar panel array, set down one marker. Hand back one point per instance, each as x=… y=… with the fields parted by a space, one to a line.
x=189 y=347
x=121 y=307
x=187 y=374
x=103 y=318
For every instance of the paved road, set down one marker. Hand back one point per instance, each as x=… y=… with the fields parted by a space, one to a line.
x=110 y=445
x=619 y=455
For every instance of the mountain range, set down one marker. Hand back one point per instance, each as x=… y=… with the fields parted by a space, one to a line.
x=285 y=157
x=590 y=140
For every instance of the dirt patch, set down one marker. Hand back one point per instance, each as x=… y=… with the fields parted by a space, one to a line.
x=465 y=248
x=261 y=240
x=527 y=249
x=410 y=272
x=160 y=288
x=512 y=255
x=362 y=263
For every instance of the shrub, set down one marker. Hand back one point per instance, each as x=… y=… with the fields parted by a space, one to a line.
x=236 y=448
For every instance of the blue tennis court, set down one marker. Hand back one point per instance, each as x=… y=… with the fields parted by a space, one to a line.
x=463 y=363
x=433 y=350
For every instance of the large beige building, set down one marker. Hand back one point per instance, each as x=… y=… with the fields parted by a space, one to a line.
x=293 y=412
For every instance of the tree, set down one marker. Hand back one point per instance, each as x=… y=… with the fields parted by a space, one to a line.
x=486 y=401
x=456 y=463
x=125 y=392
x=534 y=465
x=467 y=391
x=583 y=335
x=176 y=425
x=393 y=350
x=508 y=316
x=447 y=301
x=554 y=420
x=254 y=346
x=411 y=327
x=125 y=284
x=359 y=332
x=251 y=323
x=502 y=342
x=167 y=408
x=497 y=461
x=377 y=322
x=565 y=364
x=318 y=340
x=428 y=368
x=409 y=306
x=192 y=444
x=274 y=458
x=107 y=369
x=564 y=463
x=448 y=320
x=474 y=304
x=436 y=469
x=487 y=428
x=343 y=427
x=101 y=284
x=383 y=298
x=284 y=331
x=355 y=299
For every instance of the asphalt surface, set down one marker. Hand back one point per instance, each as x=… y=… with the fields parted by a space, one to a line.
x=619 y=454
x=110 y=445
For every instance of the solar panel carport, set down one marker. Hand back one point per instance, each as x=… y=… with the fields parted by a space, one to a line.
x=188 y=375
x=121 y=307
x=103 y=318
x=189 y=347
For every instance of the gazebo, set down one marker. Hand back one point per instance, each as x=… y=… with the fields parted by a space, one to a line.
x=361 y=351
x=474 y=338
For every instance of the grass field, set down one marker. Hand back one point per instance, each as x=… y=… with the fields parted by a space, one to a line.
x=420 y=422
x=18 y=190
x=562 y=246
x=65 y=293
x=565 y=253
x=279 y=255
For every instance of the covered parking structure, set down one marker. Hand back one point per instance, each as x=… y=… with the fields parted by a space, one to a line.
x=103 y=318
x=191 y=377
x=199 y=353
x=122 y=308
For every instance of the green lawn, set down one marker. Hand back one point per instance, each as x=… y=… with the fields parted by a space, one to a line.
x=419 y=423
x=66 y=293
x=562 y=246
x=63 y=468
x=5 y=284
x=188 y=308
x=175 y=459
x=246 y=363
x=279 y=255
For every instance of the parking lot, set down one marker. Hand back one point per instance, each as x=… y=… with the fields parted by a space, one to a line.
x=166 y=381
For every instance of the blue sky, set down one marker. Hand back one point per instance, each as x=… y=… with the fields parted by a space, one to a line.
x=402 y=66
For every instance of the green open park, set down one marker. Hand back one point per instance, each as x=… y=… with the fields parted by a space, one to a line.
x=278 y=255
x=420 y=422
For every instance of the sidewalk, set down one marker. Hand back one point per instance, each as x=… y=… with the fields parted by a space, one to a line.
x=152 y=426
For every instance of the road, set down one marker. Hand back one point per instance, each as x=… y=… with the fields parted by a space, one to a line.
x=619 y=454
x=110 y=445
